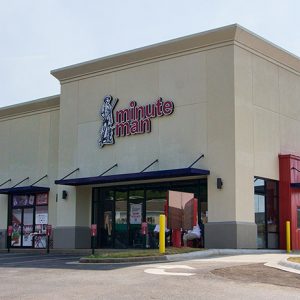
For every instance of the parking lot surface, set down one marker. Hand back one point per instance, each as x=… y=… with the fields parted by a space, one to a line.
x=53 y=276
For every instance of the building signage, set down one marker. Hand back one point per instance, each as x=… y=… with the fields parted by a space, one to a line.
x=135 y=119
x=9 y=230
x=93 y=229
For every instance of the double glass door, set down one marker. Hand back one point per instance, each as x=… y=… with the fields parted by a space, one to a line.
x=22 y=223
x=119 y=211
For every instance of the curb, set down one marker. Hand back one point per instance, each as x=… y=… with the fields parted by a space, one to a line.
x=217 y=252
x=289 y=264
x=179 y=257
x=122 y=260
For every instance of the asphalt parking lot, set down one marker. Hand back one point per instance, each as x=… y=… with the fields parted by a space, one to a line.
x=50 y=261
x=53 y=276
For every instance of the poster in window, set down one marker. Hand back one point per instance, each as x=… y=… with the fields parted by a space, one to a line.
x=16 y=224
x=135 y=213
x=42 y=199
x=23 y=200
x=41 y=218
x=27 y=236
x=40 y=241
x=41 y=215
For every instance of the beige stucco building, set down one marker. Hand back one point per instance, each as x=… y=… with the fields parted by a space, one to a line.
x=236 y=100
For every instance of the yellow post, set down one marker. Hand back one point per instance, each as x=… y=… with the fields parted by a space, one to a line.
x=288 y=236
x=162 y=224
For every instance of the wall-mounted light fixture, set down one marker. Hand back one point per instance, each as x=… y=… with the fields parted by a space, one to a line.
x=64 y=194
x=219 y=183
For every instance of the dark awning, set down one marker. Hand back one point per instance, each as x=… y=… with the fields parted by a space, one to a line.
x=24 y=190
x=163 y=174
x=295 y=185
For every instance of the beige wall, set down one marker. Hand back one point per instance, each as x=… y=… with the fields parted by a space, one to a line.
x=84 y=206
x=3 y=211
x=29 y=147
x=267 y=122
x=220 y=134
x=201 y=86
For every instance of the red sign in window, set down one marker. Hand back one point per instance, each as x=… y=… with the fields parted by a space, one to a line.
x=144 y=228
x=49 y=230
x=9 y=230
x=94 y=229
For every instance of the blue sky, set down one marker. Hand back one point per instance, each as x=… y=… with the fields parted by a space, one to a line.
x=38 y=36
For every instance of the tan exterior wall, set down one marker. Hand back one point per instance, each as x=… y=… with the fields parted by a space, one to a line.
x=201 y=86
x=29 y=148
x=267 y=122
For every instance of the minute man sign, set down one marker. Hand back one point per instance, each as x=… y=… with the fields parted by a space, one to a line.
x=135 y=119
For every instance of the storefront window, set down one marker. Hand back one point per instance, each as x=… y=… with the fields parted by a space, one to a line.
x=16 y=224
x=41 y=221
x=29 y=218
x=155 y=206
x=266 y=212
x=121 y=229
x=136 y=216
x=121 y=210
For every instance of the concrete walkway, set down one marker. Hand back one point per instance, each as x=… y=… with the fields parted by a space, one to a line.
x=271 y=258
x=276 y=259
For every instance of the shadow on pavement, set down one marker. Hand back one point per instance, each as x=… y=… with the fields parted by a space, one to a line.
x=55 y=261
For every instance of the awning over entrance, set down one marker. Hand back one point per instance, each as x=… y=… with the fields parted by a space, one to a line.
x=24 y=190
x=162 y=174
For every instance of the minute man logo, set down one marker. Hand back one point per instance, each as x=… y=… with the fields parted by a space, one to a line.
x=136 y=119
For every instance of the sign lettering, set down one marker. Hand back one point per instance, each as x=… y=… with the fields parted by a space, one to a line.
x=135 y=119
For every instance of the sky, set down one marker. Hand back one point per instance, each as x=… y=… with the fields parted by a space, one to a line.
x=37 y=36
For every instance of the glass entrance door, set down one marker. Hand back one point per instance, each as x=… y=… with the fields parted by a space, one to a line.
x=27 y=228
x=119 y=211
x=16 y=237
x=136 y=216
x=266 y=213
x=121 y=223
x=105 y=224
x=22 y=222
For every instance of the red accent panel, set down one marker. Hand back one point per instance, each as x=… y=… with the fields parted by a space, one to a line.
x=289 y=199
x=195 y=211
x=176 y=238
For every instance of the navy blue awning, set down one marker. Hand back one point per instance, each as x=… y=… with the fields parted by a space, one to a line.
x=295 y=185
x=163 y=174
x=25 y=190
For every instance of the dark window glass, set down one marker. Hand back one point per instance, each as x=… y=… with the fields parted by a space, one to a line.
x=28 y=214
x=156 y=202
x=136 y=203
x=298 y=217
x=105 y=223
x=266 y=212
x=124 y=208
x=121 y=229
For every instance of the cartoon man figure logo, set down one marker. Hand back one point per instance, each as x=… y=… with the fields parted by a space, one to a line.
x=107 y=128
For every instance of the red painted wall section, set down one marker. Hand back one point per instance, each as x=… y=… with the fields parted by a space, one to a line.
x=289 y=199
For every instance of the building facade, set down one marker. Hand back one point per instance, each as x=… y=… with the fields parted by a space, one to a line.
x=128 y=128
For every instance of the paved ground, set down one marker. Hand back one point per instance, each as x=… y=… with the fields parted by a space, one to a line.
x=34 y=276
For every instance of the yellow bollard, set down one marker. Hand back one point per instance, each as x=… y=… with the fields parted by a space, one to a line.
x=162 y=233
x=288 y=236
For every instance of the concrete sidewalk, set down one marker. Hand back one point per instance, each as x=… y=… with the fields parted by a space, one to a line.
x=272 y=258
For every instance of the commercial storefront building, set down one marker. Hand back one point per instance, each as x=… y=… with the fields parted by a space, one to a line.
x=129 y=128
